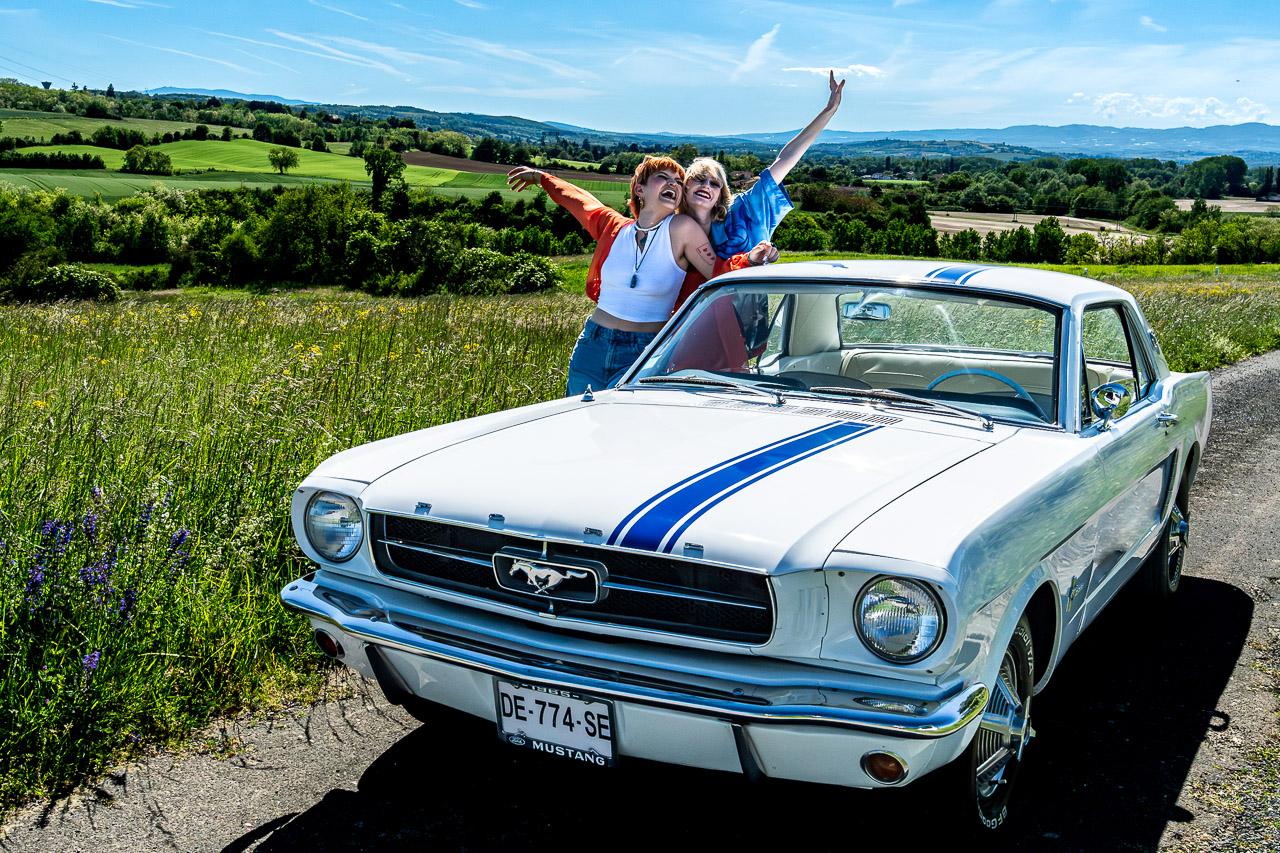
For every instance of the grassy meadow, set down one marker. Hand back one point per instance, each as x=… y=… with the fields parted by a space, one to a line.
x=150 y=448
x=244 y=161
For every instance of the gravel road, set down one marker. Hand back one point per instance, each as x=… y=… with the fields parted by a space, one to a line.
x=1148 y=738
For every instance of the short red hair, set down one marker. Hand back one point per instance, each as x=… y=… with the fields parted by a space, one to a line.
x=644 y=172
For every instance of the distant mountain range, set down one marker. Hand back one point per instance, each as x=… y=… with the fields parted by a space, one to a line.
x=224 y=94
x=1257 y=143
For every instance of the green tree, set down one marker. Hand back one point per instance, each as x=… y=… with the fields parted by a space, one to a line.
x=1050 y=241
x=383 y=166
x=226 y=133
x=282 y=159
x=146 y=161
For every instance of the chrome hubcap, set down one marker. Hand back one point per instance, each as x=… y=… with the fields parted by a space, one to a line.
x=1004 y=732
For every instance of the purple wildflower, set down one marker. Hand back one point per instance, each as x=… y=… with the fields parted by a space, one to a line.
x=90 y=661
x=96 y=493
x=91 y=527
x=35 y=584
x=128 y=603
x=144 y=516
x=176 y=540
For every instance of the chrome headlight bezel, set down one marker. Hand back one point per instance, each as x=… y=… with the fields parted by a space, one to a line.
x=354 y=512
x=927 y=593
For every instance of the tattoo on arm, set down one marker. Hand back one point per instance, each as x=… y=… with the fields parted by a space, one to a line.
x=707 y=255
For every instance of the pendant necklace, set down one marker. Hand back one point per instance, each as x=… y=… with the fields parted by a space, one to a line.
x=641 y=254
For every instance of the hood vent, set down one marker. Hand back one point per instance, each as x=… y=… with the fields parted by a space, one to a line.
x=806 y=411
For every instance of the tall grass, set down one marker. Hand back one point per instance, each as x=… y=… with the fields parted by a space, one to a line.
x=147 y=454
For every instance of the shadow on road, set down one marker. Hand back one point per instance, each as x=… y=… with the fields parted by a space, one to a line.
x=1119 y=727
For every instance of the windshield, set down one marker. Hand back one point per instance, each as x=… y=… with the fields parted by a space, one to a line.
x=990 y=355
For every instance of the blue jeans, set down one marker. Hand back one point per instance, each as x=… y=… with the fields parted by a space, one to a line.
x=601 y=356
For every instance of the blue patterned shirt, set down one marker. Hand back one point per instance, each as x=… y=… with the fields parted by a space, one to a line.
x=752 y=217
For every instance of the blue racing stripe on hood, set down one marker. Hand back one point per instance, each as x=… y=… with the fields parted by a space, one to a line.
x=651 y=528
x=617 y=531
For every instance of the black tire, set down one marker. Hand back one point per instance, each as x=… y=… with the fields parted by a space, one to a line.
x=982 y=804
x=1162 y=570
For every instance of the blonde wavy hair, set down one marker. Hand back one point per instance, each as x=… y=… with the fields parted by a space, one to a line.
x=708 y=166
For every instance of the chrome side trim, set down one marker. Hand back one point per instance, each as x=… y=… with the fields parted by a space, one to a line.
x=380 y=628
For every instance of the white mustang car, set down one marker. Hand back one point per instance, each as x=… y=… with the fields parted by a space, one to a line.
x=838 y=524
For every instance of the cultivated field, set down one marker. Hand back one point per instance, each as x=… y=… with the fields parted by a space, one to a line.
x=951 y=221
x=245 y=161
x=39 y=125
x=1234 y=205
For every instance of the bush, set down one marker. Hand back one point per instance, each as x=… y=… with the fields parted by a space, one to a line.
x=143 y=278
x=64 y=281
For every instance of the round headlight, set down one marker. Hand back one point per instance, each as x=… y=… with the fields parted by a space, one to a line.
x=335 y=527
x=899 y=620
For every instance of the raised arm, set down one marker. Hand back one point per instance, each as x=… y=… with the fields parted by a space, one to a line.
x=690 y=242
x=794 y=150
x=592 y=214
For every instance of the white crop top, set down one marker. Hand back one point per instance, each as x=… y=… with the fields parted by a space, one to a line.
x=656 y=274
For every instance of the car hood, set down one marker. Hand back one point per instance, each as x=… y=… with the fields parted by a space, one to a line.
x=715 y=477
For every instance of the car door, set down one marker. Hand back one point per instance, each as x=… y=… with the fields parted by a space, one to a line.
x=1133 y=457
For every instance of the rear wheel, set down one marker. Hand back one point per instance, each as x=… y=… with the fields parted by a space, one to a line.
x=985 y=772
x=1163 y=567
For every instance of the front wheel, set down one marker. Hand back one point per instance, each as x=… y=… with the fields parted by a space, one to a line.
x=1163 y=566
x=981 y=779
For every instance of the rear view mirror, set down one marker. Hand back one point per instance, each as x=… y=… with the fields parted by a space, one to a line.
x=865 y=311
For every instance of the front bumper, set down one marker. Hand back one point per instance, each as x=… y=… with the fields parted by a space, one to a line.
x=781 y=725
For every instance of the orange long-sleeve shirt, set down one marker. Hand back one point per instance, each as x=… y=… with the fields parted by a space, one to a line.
x=603 y=224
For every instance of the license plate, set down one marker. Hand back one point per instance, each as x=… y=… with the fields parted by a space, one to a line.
x=556 y=722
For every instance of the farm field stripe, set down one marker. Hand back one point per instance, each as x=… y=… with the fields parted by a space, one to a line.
x=650 y=530
x=617 y=531
x=702 y=510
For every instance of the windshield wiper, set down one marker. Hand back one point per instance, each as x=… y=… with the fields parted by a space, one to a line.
x=708 y=382
x=904 y=399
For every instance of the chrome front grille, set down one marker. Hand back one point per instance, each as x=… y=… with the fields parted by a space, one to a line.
x=642 y=590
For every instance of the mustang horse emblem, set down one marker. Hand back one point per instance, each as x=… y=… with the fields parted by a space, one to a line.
x=544 y=579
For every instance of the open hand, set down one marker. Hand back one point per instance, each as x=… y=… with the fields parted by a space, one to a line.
x=837 y=90
x=762 y=253
x=522 y=177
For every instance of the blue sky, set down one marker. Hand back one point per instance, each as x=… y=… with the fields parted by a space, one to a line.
x=716 y=66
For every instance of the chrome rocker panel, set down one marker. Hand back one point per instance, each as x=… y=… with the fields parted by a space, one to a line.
x=378 y=627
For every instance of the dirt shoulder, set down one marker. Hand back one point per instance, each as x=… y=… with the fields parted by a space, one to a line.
x=1157 y=732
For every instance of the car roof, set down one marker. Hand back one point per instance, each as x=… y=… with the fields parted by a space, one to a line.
x=1053 y=287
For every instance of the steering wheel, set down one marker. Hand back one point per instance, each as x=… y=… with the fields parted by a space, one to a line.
x=1018 y=390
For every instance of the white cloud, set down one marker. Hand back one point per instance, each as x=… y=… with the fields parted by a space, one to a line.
x=502 y=51
x=546 y=93
x=849 y=70
x=177 y=52
x=1196 y=111
x=1148 y=22
x=756 y=54
x=471 y=4
x=333 y=53
x=329 y=8
x=897 y=4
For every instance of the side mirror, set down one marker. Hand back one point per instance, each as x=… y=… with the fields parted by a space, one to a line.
x=1106 y=400
x=865 y=311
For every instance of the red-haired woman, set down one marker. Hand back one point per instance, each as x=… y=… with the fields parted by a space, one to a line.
x=638 y=267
